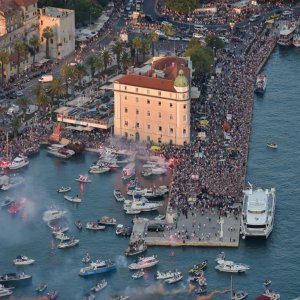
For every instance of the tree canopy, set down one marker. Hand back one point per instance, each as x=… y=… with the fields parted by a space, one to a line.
x=182 y=6
x=213 y=41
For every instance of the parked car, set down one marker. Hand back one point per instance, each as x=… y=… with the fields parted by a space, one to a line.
x=46 y=78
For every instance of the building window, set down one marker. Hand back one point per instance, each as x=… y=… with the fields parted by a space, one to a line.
x=137 y=112
x=171 y=117
x=159 y=103
x=148 y=101
x=184 y=106
x=41 y=22
x=171 y=105
x=137 y=99
x=148 y=126
x=159 y=114
x=148 y=113
x=184 y=118
x=126 y=123
x=148 y=138
x=171 y=131
x=126 y=135
x=159 y=93
x=125 y=97
x=42 y=39
x=125 y=88
x=51 y=41
x=159 y=128
x=159 y=140
x=184 y=131
x=126 y=109
x=136 y=89
x=137 y=125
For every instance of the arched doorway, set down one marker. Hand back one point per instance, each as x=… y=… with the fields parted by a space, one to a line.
x=137 y=136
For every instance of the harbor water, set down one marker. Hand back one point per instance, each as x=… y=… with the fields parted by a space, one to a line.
x=275 y=119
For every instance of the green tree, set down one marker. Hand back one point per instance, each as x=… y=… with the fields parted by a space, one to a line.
x=125 y=61
x=20 y=51
x=168 y=31
x=117 y=50
x=80 y=72
x=47 y=35
x=193 y=42
x=41 y=96
x=91 y=62
x=23 y=102
x=99 y=65
x=57 y=88
x=4 y=60
x=213 y=41
x=15 y=125
x=70 y=74
x=145 y=47
x=34 y=43
x=182 y=6
x=106 y=58
x=137 y=45
x=153 y=38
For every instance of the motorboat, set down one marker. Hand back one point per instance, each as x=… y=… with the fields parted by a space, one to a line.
x=142 y=204
x=166 y=275
x=272 y=145
x=128 y=171
x=7 y=202
x=61 y=237
x=119 y=229
x=19 y=162
x=201 y=279
x=83 y=179
x=149 y=193
x=94 y=226
x=160 y=218
x=58 y=229
x=231 y=267
x=64 y=189
x=52 y=295
x=68 y=244
x=239 y=295
x=261 y=84
x=144 y=262
x=41 y=288
x=118 y=195
x=258 y=212
x=107 y=221
x=5 y=292
x=267 y=282
x=53 y=214
x=154 y=171
x=86 y=259
x=131 y=211
x=174 y=279
x=99 y=286
x=12 y=182
x=60 y=151
x=198 y=267
x=286 y=34
x=138 y=274
x=120 y=298
x=22 y=260
x=13 y=279
x=75 y=199
x=98 y=267
x=136 y=247
x=15 y=207
x=99 y=169
x=271 y=294
x=201 y=290
x=89 y=297
x=78 y=224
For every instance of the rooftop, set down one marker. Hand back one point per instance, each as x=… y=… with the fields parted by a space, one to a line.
x=55 y=12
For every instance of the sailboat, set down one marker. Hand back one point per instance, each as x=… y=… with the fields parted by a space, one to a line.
x=236 y=295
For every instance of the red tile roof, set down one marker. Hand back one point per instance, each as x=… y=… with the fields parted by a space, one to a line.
x=166 y=62
x=147 y=82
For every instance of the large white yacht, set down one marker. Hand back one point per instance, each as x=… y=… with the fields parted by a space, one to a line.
x=19 y=162
x=286 y=34
x=60 y=151
x=258 y=212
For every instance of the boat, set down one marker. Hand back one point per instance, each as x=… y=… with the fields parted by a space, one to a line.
x=15 y=207
x=68 y=244
x=239 y=295
x=52 y=295
x=136 y=247
x=201 y=290
x=267 y=282
x=141 y=204
x=98 y=267
x=118 y=195
x=198 y=267
x=174 y=279
x=149 y=193
x=120 y=298
x=154 y=171
x=261 y=84
x=131 y=211
x=58 y=229
x=83 y=179
x=107 y=221
x=22 y=260
x=78 y=224
x=160 y=218
x=99 y=286
x=296 y=38
x=201 y=279
x=19 y=162
x=138 y=274
x=13 y=279
x=144 y=262
x=166 y=275
x=119 y=229
x=53 y=214
x=271 y=294
x=231 y=267
x=5 y=292
x=75 y=199
x=272 y=145
x=89 y=297
x=99 y=169
x=128 y=171
x=41 y=288
x=60 y=151
x=64 y=189
x=286 y=34
x=258 y=212
x=61 y=236
x=86 y=259
x=94 y=226
x=7 y=202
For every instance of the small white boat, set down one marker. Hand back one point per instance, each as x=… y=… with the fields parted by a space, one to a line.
x=7 y=202
x=138 y=274
x=64 y=189
x=89 y=297
x=174 y=279
x=120 y=298
x=41 y=288
x=99 y=286
x=86 y=259
x=53 y=214
x=144 y=262
x=99 y=169
x=166 y=275
x=272 y=145
x=5 y=292
x=75 y=199
x=231 y=267
x=60 y=151
x=271 y=294
x=239 y=295
x=61 y=237
x=118 y=195
x=107 y=221
x=131 y=211
x=19 y=162
x=68 y=244
x=94 y=226
x=261 y=84
x=22 y=260
x=267 y=282
x=119 y=229
x=83 y=179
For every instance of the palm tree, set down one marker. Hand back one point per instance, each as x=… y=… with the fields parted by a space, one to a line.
x=153 y=38
x=99 y=65
x=20 y=49
x=57 y=88
x=41 y=97
x=23 y=102
x=47 y=34
x=145 y=47
x=168 y=31
x=91 y=62
x=80 y=72
x=125 y=61
x=15 y=125
x=117 y=50
x=137 y=45
x=106 y=58
x=4 y=59
x=34 y=43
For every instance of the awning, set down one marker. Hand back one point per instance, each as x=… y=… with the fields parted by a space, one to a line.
x=80 y=128
x=155 y=148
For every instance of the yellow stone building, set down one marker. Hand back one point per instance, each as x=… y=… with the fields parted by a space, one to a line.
x=154 y=105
